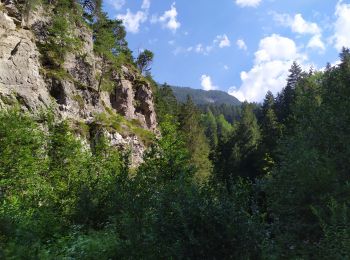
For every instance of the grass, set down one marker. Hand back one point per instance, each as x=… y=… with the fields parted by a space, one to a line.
x=80 y=128
x=2 y=8
x=11 y=101
x=59 y=74
x=79 y=100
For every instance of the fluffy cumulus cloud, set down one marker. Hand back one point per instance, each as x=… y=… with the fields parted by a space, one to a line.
x=207 y=83
x=297 y=23
x=272 y=62
x=248 y=3
x=241 y=44
x=341 y=36
x=169 y=19
x=146 y=4
x=275 y=47
x=316 y=43
x=300 y=26
x=223 y=41
x=132 y=21
x=116 y=4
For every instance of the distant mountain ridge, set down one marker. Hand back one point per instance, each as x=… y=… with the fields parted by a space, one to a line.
x=202 y=97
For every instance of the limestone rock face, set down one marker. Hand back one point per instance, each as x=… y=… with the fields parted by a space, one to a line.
x=74 y=97
x=20 y=67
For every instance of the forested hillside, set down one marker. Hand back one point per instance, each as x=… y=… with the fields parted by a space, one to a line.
x=202 y=97
x=267 y=181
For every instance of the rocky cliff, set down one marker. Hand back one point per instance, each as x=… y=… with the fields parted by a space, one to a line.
x=125 y=113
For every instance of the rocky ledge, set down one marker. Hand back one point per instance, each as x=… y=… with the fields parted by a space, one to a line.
x=72 y=93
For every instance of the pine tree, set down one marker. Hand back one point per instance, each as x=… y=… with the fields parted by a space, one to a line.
x=166 y=103
x=271 y=131
x=196 y=141
x=209 y=122
x=224 y=127
x=286 y=98
x=144 y=61
x=237 y=154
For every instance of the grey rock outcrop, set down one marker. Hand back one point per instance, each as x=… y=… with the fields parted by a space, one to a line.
x=75 y=97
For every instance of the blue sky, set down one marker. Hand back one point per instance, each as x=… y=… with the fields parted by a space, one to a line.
x=244 y=47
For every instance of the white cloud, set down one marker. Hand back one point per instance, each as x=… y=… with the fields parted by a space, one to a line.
x=133 y=21
x=241 y=44
x=297 y=23
x=116 y=4
x=169 y=19
x=248 y=3
x=223 y=41
x=226 y=67
x=207 y=83
x=199 y=48
x=272 y=62
x=316 y=43
x=300 y=26
x=146 y=4
x=341 y=37
x=275 y=47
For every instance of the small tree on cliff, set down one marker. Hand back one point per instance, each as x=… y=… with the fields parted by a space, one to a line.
x=144 y=61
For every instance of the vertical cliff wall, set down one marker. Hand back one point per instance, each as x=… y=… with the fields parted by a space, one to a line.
x=125 y=113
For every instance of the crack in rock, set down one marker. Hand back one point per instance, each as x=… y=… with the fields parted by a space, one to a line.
x=15 y=49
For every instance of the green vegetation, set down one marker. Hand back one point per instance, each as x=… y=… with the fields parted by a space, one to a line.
x=144 y=61
x=221 y=182
x=108 y=35
x=205 y=98
x=294 y=151
x=61 y=38
x=80 y=101
x=116 y=122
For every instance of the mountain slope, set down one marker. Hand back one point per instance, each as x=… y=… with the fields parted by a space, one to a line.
x=202 y=97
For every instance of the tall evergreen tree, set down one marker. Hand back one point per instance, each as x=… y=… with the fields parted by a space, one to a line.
x=286 y=98
x=166 y=103
x=195 y=139
x=224 y=127
x=237 y=154
x=270 y=128
x=209 y=122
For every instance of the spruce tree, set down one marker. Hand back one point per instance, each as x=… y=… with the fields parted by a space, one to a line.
x=286 y=98
x=270 y=128
x=196 y=141
x=209 y=122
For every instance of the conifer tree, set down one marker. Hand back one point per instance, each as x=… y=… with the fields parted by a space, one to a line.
x=286 y=98
x=237 y=155
x=270 y=128
x=224 y=127
x=210 y=126
x=196 y=141
x=144 y=61
x=166 y=103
